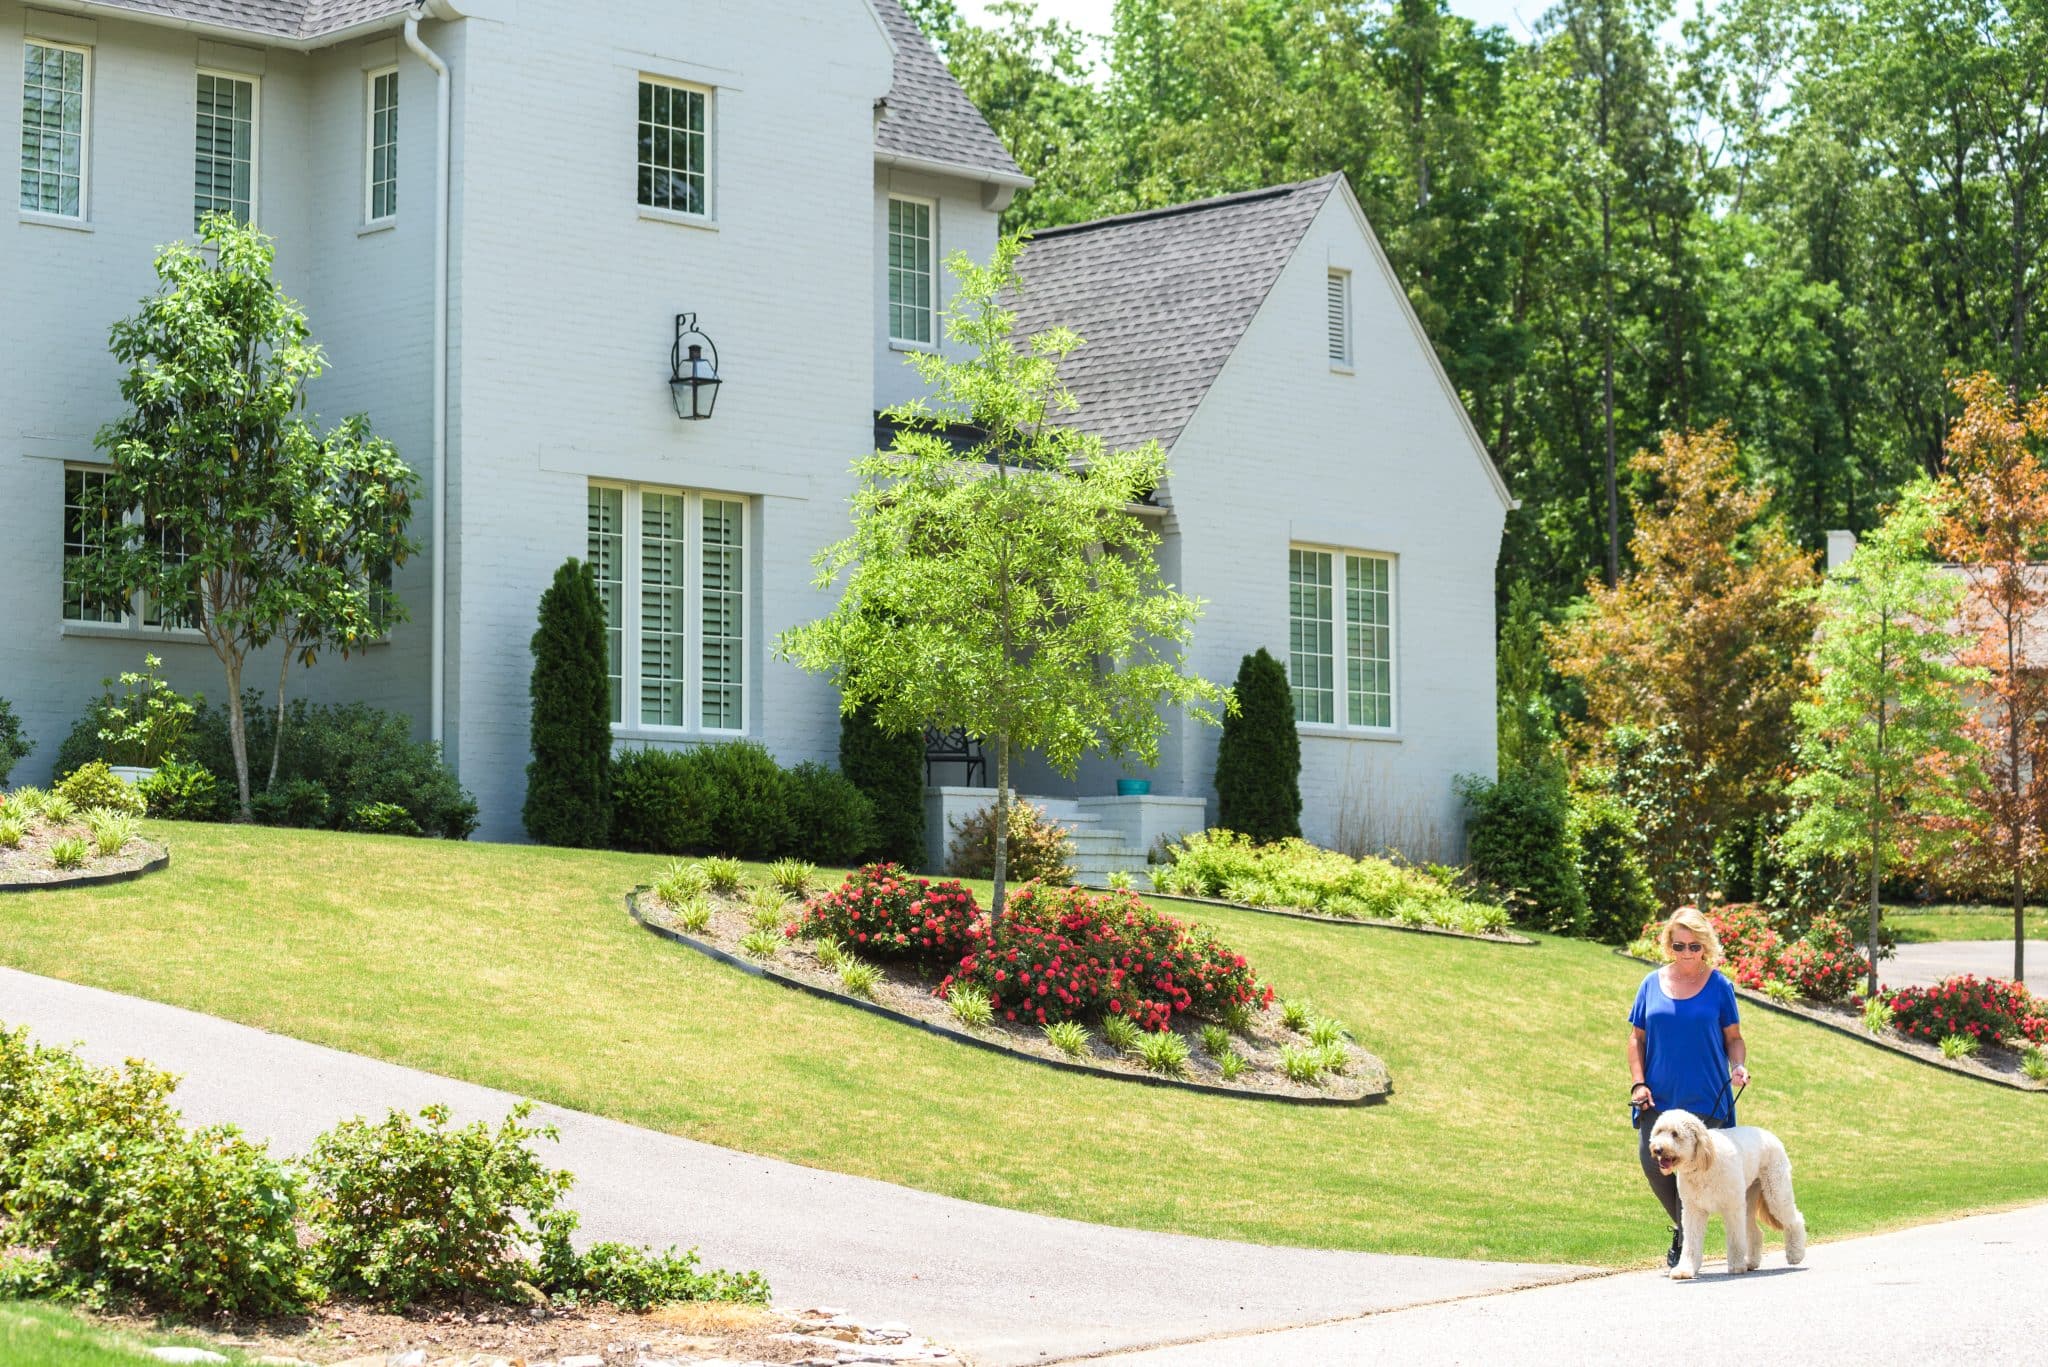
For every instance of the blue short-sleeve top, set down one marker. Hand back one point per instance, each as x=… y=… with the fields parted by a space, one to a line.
x=1685 y=1054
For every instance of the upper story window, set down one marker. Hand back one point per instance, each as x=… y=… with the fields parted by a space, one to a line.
x=670 y=567
x=911 y=292
x=380 y=191
x=54 y=94
x=85 y=534
x=224 y=148
x=675 y=147
x=1340 y=626
x=1339 y=319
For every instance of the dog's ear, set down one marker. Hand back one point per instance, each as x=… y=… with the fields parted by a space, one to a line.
x=1702 y=1142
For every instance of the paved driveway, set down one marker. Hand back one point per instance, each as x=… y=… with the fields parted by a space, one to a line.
x=1004 y=1286
x=1962 y=1292
x=1923 y=965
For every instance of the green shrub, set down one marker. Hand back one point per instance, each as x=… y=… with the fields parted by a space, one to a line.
x=1069 y=1037
x=1611 y=868
x=69 y=853
x=1231 y=1065
x=14 y=747
x=639 y=1279
x=1215 y=1041
x=692 y=914
x=179 y=791
x=831 y=820
x=2034 y=1063
x=1120 y=1033
x=1877 y=1015
x=94 y=785
x=657 y=805
x=971 y=1006
x=1335 y=1057
x=1301 y=1065
x=1294 y=873
x=889 y=770
x=1520 y=841
x=301 y=803
x=1038 y=848
x=749 y=797
x=143 y=723
x=1958 y=1046
x=1296 y=1013
x=408 y=1210
x=1325 y=1031
x=794 y=877
x=111 y=831
x=568 y=780
x=57 y=809
x=12 y=831
x=761 y=944
x=1164 y=1051
x=857 y=976
x=722 y=874
x=380 y=818
x=1258 y=760
x=680 y=882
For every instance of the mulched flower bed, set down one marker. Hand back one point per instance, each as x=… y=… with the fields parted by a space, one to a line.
x=1995 y=1064
x=1506 y=937
x=28 y=865
x=905 y=995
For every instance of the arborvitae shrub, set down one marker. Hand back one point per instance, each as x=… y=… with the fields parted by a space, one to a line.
x=1258 y=762
x=1521 y=842
x=1612 y=873
x=568 y=781
x=890 y=770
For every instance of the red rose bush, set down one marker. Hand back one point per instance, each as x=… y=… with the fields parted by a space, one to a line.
x=880 y=912
x=1988 y=1010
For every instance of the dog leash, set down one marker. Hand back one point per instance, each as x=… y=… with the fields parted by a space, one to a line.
x=1635 y=1112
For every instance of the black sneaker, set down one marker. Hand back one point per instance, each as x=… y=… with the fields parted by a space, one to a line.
x=1677 y=1247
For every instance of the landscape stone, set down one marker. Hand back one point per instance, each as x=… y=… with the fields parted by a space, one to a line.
x=171 y=1353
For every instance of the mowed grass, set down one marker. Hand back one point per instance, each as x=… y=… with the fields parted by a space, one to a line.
x=1924 y=925
x=1507 y=1137
x=48 y=1336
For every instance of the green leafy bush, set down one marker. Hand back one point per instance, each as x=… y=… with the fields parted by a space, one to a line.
x=179 y=791
x=94 y=785
x=143 y=723
x=1294 y=873
x=301 y=803
x=13 y=829
x=1258 y=759
x=69 y=853
x=568 y=780
x=730 y=798
x=1164 y=1051
x=657 y=803
x=410 y=1210
x=1520 y=841
x=639 y=1279
x=1039 y=848
x=831 y=820
x=380 y=818
x=111 y=831
x=889 y=770
x=970 y=1005
x=1611 y=868
x=14 y=747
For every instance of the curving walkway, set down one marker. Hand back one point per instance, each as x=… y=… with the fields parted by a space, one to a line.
x=1003 y=1286
x=1925 y=965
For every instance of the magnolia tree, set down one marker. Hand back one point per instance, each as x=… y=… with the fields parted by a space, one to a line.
x=1997 y=532
x=998 y=580
x=1882 y=738
x=223 y=506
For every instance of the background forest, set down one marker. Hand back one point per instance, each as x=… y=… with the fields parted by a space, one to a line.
x=1797 y=218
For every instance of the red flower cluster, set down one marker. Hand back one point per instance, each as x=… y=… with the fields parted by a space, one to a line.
x=1989 y=1010
x=1067 y=953
x=1824 y=965
x=881 y=912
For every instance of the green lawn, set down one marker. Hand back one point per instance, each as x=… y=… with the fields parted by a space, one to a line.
x=517 y=967
x=1922 y=925
x=49 y=1336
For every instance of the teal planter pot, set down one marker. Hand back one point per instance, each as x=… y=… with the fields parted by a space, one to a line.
x=1133 y=787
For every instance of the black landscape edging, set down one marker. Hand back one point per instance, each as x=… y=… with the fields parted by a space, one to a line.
x=88 y=880
x=993 y=1046
x=1860 y=1035
x=1321 y=919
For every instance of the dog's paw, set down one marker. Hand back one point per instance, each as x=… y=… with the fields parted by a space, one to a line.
x=1681 y=1273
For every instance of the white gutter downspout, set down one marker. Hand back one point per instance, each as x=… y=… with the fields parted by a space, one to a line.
x=438 y=672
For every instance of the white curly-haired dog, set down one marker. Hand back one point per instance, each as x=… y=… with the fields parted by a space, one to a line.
x=1740 y=1174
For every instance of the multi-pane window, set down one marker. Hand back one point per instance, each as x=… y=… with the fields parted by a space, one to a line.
x=910 y=271
x=671 y=570
x=53 y=111
x=381 y=196
x=1340 y=611
x=224 y=148
x=1339 y=317
x=85 y=533
x=674 y=148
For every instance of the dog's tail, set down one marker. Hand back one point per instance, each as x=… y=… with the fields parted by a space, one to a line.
x=1777 y=1208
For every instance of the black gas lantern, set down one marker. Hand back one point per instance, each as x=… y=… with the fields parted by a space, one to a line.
x=692 y=380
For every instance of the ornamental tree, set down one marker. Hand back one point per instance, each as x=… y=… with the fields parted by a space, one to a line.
x=1707 y=635
x=996 y=578
x=1258 y=762
x=1996 y=530
x=223 y=507
x=1883 y=738
x=569 y=778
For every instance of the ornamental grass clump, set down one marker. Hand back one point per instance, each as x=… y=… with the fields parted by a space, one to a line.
x=1958 y=1046
x=883 y=912
x=1164 y=1052
x=69 y=853
x=970 y=1005
x=2034 y=1063
x=1326 y=1031
x=858 y=977
x=1296 y=1013
x=1301 y=1065
x=1877 y=1015
x=680 y=882
x=111 y=831
x=1215 y=1041
x=1069 y=1037
x=760 y=944
x=692 y=914
x=13 y=830
x=723 y=875
x=1121 y=1033
x=1231 y=1065
x=793 y=877
x=762 y=917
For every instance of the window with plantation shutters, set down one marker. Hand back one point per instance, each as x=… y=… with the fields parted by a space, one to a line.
x=1339 y=318
x=1340 y=609
x=224 y=148
x=671 y=570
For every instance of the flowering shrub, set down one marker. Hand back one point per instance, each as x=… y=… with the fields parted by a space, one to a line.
x=1826 y=964
x=1066 y=953
x=1038 y=847
x=1988 y=1010
x=884 y=913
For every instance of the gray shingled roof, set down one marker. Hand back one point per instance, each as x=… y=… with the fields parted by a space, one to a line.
x=273 y=18
x=1160 y=299
x=928 y=115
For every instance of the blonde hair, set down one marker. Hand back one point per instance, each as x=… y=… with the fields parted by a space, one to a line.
x=1689 y=918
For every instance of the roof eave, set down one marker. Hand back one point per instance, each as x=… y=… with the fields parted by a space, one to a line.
x=998 y=187
x=112 y=9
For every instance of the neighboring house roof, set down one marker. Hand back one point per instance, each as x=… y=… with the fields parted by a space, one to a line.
x=271 y=18
x=2033 y=632
x=927 y=116
x=1161 y=299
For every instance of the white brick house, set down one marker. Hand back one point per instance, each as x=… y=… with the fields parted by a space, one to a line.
x=789 y=173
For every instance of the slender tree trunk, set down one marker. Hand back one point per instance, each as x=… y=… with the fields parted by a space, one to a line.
x=995 y=910
x=1876 y=849
x=277 y=736
x=2019 y=926
x=238 y=736
x=1607 y=401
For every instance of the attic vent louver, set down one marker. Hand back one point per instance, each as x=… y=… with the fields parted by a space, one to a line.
x=1340 y=318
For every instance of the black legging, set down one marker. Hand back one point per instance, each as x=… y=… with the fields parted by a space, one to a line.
x=1663 y=1184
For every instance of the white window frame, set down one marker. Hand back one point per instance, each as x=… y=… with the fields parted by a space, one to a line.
x=631 y=722
x=84 y=214
x=1338 y=284
x=931 y=274
x=255 y=84
x=709 y=216
x=134 y=618
x=370 y=182
x=1340 y=641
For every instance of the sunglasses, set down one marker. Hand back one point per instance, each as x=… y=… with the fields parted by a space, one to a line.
x=1686 y=947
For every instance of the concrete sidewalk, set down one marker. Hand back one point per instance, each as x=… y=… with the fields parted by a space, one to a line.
x=1003 y=1286
x=1964 y=1291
